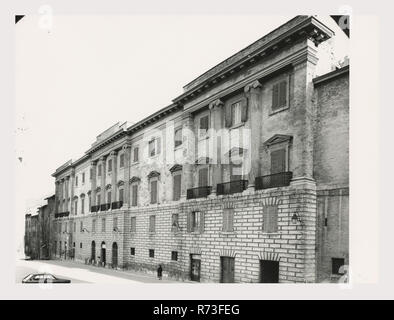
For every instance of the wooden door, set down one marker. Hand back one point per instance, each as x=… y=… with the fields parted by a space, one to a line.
x=227 y=269
x=195 y=268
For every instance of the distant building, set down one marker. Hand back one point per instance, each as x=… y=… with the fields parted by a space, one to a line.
x=243 y=178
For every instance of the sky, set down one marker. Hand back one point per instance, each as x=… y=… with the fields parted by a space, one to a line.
x=81 y=74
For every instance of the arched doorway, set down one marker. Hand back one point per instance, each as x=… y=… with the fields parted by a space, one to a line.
x=103 y=254
x=93 y=252
x=114 y=255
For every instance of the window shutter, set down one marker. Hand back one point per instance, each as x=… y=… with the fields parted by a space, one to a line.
x=189 y=222
x=227 y=116
x=158 y=145
x=230 y=220
x=273 y=218
x=202 y=221
x=153 y=192
x=244 y=110
x=203 y=177
x=177 y=187
x=278 y=161
x=282 y=93
x=135 y=194
x=120 y=194
x=275 y=94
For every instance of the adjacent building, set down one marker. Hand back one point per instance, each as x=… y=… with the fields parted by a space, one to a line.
x=242 y=178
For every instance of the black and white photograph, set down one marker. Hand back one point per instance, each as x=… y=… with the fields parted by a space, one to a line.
x=182 y=151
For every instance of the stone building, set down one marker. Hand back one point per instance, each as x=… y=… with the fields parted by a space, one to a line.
x=242 y=178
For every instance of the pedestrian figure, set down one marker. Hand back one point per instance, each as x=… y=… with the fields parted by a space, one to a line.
x=159 y=272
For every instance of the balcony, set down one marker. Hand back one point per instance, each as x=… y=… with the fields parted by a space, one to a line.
x=116 y=205
x=62 y=214
x=201 y=192
x=273 y=180
x=105 y=207
x=231 y=187
x=95 y=208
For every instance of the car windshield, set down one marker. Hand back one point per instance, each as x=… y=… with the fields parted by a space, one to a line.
x=49 y=276
x=27 y=277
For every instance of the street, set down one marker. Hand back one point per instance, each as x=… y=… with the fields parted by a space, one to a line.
x=81 y=273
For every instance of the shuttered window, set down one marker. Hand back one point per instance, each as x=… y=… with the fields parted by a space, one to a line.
x=279 y=95
x=152 y=223
x=236 y=113
x=228 y=220
x=115 y=223
x=203 y=177
x=83 y=177
x=134 y=191
x=121 y=192
x=177 y=186
x=203 y=126
x=103 y=225
x=152 y=149
x=278 y=161
x=135 y=154
x=98 y=199
x=270 y=219
x=83 y=205
x=99 y=170
x=153 y=191
x=121 y=160
x=109 y=197
x=195 y=221
x=174 y=222
x=178 y=137
x=109 y=165
x=94 y=225
x=133 y=224
x=174 y=255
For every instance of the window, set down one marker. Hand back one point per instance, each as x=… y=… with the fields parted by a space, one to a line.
x=134 y=190
x=83 y=177
x=279 y=95
x=109 y=165
x=236 y=113
x=90 y=173
x=94 y=225
x=228 y=220
x=195 y=221
x=175 y=222
x=278 y=161
x=153 y=191
x=103 y=225
x=132 y=251
x=151 y=253
x=337 y=263
x=203 y=177
x=98 y=199
x=76 y=206
x=76 y=180
x=121 y=192
x=203 y=126
x=177 y=185
x=270 y=219
x=152 y=223
x=174 y=255
x=75 y=227
x=90 y=201
x=154 y=147
x=99 y=170
x=178 y=137
x=121 y=160
x=80 y=245
x=115 y=224
x=133 y=224
x=135 y=154
x=82 y=205
x=109 y=197
x=81 y=226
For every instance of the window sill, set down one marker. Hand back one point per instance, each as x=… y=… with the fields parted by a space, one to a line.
x=236 y=126
x=180 y=147
x=278 y=110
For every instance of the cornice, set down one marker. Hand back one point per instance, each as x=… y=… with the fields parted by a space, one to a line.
x=302 y=27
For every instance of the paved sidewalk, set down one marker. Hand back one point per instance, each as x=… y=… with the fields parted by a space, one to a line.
x=122 y=274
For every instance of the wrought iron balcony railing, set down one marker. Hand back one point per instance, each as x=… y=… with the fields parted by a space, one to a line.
x=200 y=192
x=117 y=204
x=62 y=214
x=231 y=187
x=105 y=207
x=95 y=208
x=273 y=180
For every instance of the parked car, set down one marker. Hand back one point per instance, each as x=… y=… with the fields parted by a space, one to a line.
x=43 y=278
